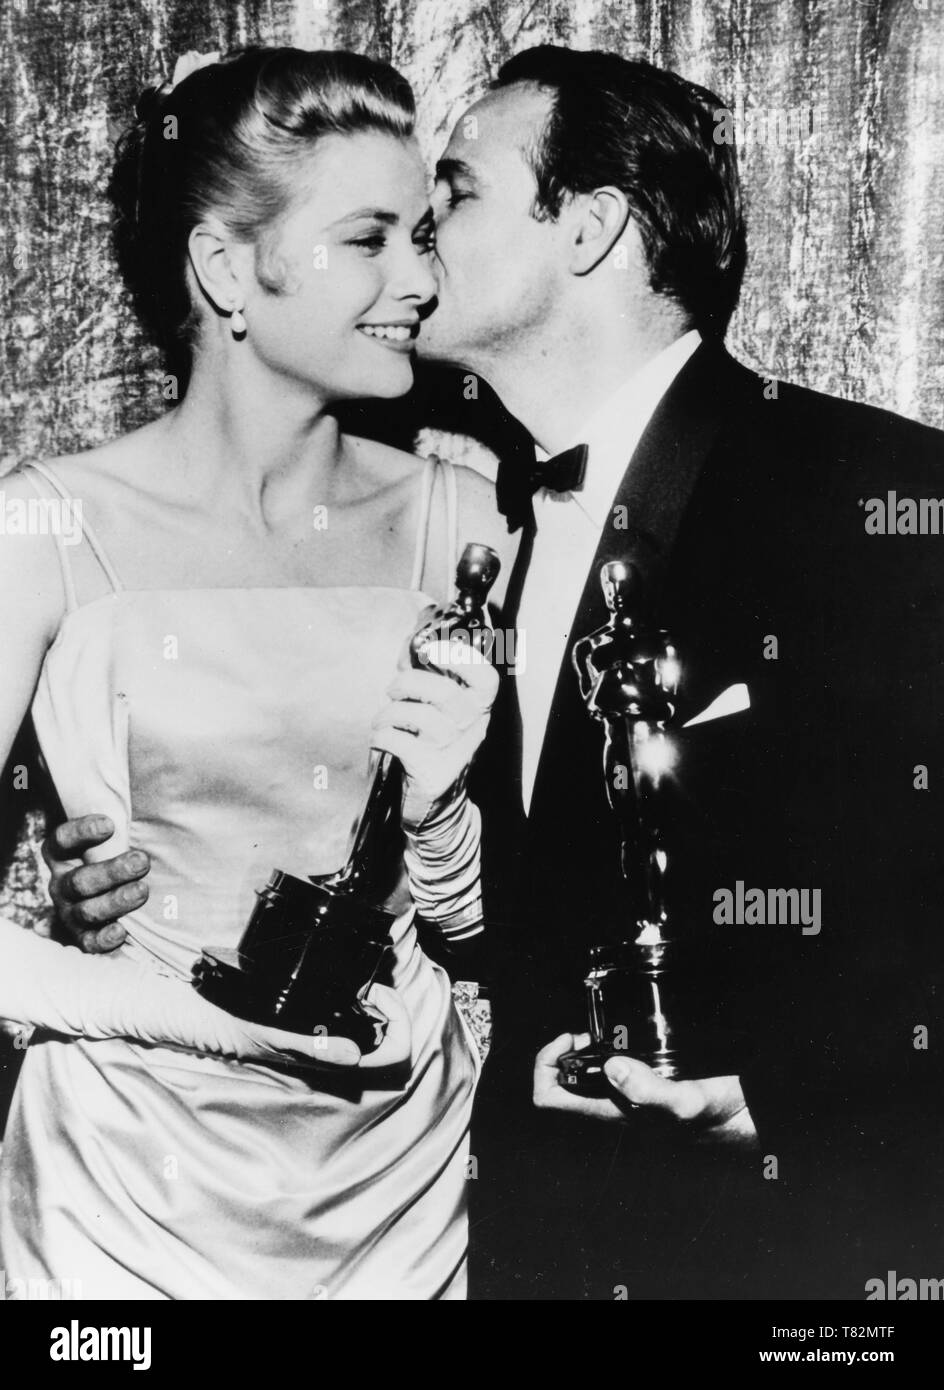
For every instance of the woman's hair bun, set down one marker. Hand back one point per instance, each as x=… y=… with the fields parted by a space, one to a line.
x=149 y=101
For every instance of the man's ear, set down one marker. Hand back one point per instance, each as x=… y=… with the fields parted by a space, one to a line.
x=216 y=269
x=599 y=222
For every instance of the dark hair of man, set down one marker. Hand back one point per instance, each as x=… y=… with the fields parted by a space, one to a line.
x=653 y=135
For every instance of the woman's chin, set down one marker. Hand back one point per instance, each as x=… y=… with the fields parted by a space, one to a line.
x=388 y=386
x=383 y=385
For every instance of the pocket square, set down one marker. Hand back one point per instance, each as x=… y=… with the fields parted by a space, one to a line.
x=731 y=701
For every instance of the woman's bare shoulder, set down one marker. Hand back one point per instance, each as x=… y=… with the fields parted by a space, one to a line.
x=40 y=531
x=480 y=520
x=124 y=459
x=33 y=528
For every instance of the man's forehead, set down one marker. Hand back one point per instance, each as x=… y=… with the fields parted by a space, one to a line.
x=502 y=127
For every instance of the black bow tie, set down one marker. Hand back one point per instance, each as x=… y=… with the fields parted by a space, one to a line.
x=517 y=482
x=562 y=473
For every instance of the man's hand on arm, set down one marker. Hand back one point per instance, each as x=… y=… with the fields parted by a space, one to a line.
x=714 y=1108
x=90 y=898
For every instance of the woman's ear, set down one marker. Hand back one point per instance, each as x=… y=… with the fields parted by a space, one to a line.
x=216 y=268
x=600 y=221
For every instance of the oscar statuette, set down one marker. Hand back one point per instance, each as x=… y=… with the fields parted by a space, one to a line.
x=312 y=948
x=639 y=990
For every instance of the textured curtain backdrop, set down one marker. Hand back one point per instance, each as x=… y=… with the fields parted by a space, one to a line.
x=838 y=107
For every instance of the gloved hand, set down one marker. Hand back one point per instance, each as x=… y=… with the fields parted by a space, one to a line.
x=45 y=985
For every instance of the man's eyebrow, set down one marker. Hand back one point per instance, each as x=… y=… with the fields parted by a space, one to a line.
x=448 y=170
x=389 y=219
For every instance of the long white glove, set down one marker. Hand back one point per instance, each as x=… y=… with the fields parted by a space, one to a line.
x=58 y=988
x=434 y=725
x=443 y=860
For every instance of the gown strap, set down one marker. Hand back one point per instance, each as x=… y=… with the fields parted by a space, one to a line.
x=34 y=471
x=437 y=468
x=32 y=474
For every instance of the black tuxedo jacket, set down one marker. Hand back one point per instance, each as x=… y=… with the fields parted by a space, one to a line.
x=748 y=503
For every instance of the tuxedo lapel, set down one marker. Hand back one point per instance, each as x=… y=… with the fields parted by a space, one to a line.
x=644 y=520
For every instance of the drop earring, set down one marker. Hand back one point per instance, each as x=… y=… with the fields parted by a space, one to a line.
x=237 y=323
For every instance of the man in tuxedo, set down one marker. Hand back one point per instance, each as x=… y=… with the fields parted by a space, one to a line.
x=591 y=246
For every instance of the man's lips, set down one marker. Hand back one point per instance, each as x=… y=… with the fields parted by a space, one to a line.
x=400 y=336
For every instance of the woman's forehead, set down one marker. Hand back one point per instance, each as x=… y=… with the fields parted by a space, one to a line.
x=367 y=171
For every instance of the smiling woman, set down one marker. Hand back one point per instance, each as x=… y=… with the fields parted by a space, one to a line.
x=241 y=145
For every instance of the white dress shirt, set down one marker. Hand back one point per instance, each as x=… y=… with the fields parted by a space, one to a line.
x=569 y=526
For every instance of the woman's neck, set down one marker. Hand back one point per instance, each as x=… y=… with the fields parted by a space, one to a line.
x=254 y=442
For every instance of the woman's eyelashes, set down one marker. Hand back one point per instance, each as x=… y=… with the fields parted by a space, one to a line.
x=425 y=240
x=372 y=243
x=424 y=233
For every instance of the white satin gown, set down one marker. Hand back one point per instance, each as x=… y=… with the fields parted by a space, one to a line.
x=225 y=732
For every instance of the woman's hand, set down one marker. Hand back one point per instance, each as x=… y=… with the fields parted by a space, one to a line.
x=253 y=1042
x=434 y=723
x=61 y=990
